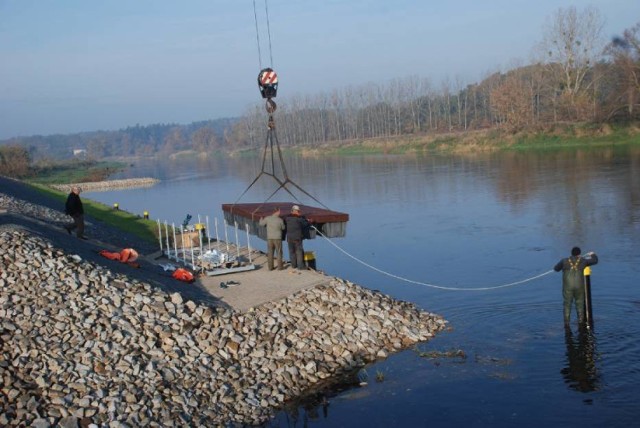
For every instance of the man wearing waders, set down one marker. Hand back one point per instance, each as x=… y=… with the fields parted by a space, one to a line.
x=573 y=281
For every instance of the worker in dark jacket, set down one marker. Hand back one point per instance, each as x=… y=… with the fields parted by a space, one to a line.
x=573 y=281
x=296 y=224
x=73 y=207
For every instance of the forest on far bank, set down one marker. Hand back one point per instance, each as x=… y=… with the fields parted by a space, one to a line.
x=576 y=77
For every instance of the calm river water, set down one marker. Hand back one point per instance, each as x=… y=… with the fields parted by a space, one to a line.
x=467 y=222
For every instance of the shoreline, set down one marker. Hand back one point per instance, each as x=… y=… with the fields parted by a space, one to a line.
x=97 y=186
x=135 y=354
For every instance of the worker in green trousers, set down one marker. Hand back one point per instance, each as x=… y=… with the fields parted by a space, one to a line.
x=573 y=281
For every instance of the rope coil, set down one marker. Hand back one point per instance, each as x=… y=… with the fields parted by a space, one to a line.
x=439 y=287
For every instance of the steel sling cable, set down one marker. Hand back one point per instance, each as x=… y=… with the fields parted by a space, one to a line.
x=266 y=9
x=439 y=287
x=255 y=16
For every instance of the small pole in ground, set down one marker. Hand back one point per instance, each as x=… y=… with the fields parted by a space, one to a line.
x=588 y=312
x=159 y=234
x=226 y=235
x=166 y=233
x=246 y=225
x=200 y=229
x=235 y=223
x=184 y=247
x=215 y=222
x=208 y=235
x=193 y=263
x=175 y=241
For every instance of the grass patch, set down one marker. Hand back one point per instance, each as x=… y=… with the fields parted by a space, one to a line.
x=75 y=172
x=146 y=230
x=356 y=150
x=577 y=136
x=553 y=137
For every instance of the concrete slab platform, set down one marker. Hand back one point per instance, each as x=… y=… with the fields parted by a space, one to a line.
x=259 y=285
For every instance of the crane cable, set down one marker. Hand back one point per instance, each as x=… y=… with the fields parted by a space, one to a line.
x=255 y=16
x=272 y=138
x=266 y=10
x=439 y=287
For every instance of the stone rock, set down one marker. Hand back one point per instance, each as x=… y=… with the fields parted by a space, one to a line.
x=108 y=350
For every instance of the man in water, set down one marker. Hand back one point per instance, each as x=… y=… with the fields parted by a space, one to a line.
x=573 y=281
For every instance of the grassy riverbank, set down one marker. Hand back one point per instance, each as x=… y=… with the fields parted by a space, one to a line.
x=75 y=172
x=89 y=171
x=146 y=230
x=554 y=138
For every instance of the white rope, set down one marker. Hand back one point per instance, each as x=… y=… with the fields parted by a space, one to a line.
x=440 y=287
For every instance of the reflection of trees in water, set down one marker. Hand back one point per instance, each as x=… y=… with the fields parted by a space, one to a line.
x=301 y=413
x=581 y=372
x=577 y=187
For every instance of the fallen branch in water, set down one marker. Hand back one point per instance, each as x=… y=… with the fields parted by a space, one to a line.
x=453 y=353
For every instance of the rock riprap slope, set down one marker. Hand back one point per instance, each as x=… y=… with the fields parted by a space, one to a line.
x=80 y=344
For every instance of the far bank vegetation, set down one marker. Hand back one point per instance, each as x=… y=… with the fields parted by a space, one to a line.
x=577 y=85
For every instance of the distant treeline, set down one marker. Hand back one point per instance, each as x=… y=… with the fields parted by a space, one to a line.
x=577 y=77
x=204 y=136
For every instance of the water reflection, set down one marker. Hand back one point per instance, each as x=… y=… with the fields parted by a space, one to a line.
x=314 y=405
x=303 y=414
x=575 y=189
x=581 y=373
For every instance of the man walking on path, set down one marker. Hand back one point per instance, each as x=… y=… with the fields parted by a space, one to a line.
x=275 y=227
x=295 y=225
x=573 y=281
x=73 y=207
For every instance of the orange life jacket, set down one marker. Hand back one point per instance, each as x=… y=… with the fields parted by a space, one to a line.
x=183 y=275
x=128 y=255
x=110 y=255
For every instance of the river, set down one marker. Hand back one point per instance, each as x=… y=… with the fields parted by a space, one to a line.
x=463 y=222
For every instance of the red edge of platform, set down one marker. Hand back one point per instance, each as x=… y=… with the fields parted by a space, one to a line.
x=256 y=211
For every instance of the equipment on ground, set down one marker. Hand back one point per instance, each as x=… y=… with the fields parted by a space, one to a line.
x=184 y=275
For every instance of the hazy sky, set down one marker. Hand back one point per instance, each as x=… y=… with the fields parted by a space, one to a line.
x=80 y=65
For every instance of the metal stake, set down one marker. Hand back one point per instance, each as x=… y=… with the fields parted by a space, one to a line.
x=175 y=241
x=587 y=297
x=159 y=234
x=248 y=242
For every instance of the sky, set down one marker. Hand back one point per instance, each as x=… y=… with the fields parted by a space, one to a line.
x=71 y=66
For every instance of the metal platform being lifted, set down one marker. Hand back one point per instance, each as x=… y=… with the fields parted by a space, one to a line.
x=331 y=224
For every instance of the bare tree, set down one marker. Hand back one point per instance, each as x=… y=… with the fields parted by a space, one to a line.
x=204 y=140
x=572 y=44
x=15 y=161
x=625 y=52
x=511 y=101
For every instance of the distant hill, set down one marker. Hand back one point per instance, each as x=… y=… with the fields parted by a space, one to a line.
x=135 y=140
